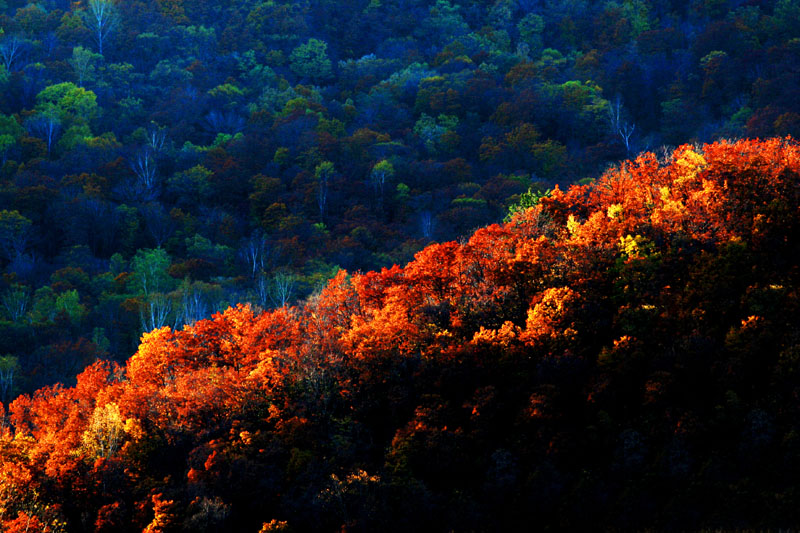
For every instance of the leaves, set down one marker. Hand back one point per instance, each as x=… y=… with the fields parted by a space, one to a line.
x=611 y=351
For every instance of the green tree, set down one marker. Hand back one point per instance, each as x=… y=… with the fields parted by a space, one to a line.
x=198 y=42
x=10 y=133
x=73 y=136
x=192 y=186
x=44 y=305
x=150 y=271
x=10 y=126
x=68 y=102
x=530 y=29
x=444 y=22
x=84 y=63
x=527 y=200
x=379 y=175
x=69 y=303
x=6 y=143
x=168 y=73
x=15 y=231
x=310 y=60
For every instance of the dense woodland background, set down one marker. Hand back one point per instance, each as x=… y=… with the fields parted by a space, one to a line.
x=162 y=161
x=222 y=152
x=624 y=355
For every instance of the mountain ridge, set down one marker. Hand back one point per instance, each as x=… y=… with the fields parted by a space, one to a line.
x=623 y=354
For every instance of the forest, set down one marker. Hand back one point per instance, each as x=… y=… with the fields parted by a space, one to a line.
x=623 y=355
x=378 y=264
x=164 y=160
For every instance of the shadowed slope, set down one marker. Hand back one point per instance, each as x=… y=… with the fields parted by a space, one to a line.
x=623 y=354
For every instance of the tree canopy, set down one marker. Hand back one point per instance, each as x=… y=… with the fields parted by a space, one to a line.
x=620 y=354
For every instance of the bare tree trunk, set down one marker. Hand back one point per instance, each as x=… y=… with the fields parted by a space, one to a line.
x=282 y=289
x=11 y=50
x=254 y=252
x=102 y=18
x=155 y=313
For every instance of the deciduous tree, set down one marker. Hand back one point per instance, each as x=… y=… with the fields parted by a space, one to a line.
x=102 y=18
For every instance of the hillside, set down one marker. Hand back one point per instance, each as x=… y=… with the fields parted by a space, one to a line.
x=162 y=160
x=623 y=354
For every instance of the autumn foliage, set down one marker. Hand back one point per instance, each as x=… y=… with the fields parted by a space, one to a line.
x=624 y=354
